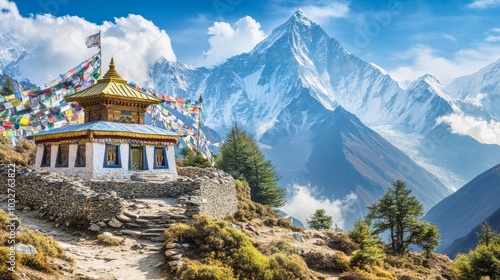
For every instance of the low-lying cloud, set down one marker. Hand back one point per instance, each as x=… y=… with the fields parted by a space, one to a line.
x=303 y=201
x=481 y=130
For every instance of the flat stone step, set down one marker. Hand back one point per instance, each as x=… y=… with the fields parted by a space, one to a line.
x=179 y=217
x=130 y=215
x=131 y=232
x=133 y=225
x=151 y=234
x=148 y=217
x=160 y=230
x=141 y=221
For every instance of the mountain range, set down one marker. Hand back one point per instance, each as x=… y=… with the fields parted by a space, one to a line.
x=285 y=91
x=330 y=120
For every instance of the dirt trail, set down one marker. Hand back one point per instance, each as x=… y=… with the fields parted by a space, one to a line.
x=96 y=261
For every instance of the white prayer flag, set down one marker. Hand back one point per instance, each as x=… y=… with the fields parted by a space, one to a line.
x=93 y=40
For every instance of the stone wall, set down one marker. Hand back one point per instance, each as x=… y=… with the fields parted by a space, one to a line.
x=215 y=195
x=75 y=202
x=60 y=199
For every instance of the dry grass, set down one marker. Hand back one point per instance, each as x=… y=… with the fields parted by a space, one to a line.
x=108 y=240
x=45 y=245
x=249 y=210
x=23 y=154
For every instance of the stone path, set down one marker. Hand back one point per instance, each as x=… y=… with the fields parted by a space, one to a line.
x=139 y=255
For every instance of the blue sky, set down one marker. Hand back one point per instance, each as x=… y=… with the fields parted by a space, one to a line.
x=407 y=38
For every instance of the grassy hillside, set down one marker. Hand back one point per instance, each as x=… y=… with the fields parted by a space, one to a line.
x=256 y=244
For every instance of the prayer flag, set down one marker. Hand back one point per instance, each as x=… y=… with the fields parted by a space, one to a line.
x=93 y=40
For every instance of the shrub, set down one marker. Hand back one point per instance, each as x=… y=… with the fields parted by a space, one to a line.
x=329 y=262
x=248 y=209
x=290 y=267
x=218 y=243
x=199 y=271
x=108 y=240
x=4 y=266
x=278 y=246
x=355 y=275
x=342 y=242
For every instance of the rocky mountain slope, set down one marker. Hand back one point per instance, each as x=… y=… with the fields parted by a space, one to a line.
x=460 y=212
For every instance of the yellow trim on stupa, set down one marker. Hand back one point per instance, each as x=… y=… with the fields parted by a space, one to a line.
x=112 y=86
x=93 y=133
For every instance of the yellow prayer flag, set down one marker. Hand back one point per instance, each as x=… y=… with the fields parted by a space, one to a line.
x=24 y=121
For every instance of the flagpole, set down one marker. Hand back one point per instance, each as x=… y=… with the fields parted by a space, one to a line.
x=199 y=126
x=100 y=55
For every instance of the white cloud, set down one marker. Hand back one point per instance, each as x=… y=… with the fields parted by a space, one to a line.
x=423 y=59
x=482 y=4
x=496 y=29
x=227 y=41
x=481 y=130
x=56 y=44
x=491 y=38
x=303 y=202
x=321 y=14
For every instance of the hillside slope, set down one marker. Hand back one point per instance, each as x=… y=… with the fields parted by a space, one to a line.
x=460 y=212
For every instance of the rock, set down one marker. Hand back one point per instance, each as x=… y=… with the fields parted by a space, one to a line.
x=94 y=227
x=185 y=245
x=319 y=242
x=114 y=223
x=101 y=224
x=236 y=227
x=108 y=234
x=171 y=252
x=130 y=215
x=170 y=245
x=136 y=247
x=141 y=221
x=130 y=232
x=25 y=249
x=176 y=257
x=178 y=217
x=123 y=218
x=298 y=237
x=175 y=263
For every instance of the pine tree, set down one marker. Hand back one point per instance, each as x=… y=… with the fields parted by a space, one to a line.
x=240 y=156
x=397 y=212
x=8 y=89
x=370 y=251
x=487 y=234
x=319 y=220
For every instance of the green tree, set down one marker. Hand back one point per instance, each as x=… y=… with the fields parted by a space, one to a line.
x=397 y=213
x=319 y=220
x=240 y=156
x=483 y=261
x=487 y=234
x=8 y=89
x=191 y=159
x=370 y=250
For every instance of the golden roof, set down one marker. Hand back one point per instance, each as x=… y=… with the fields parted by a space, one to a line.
x=113 y=86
